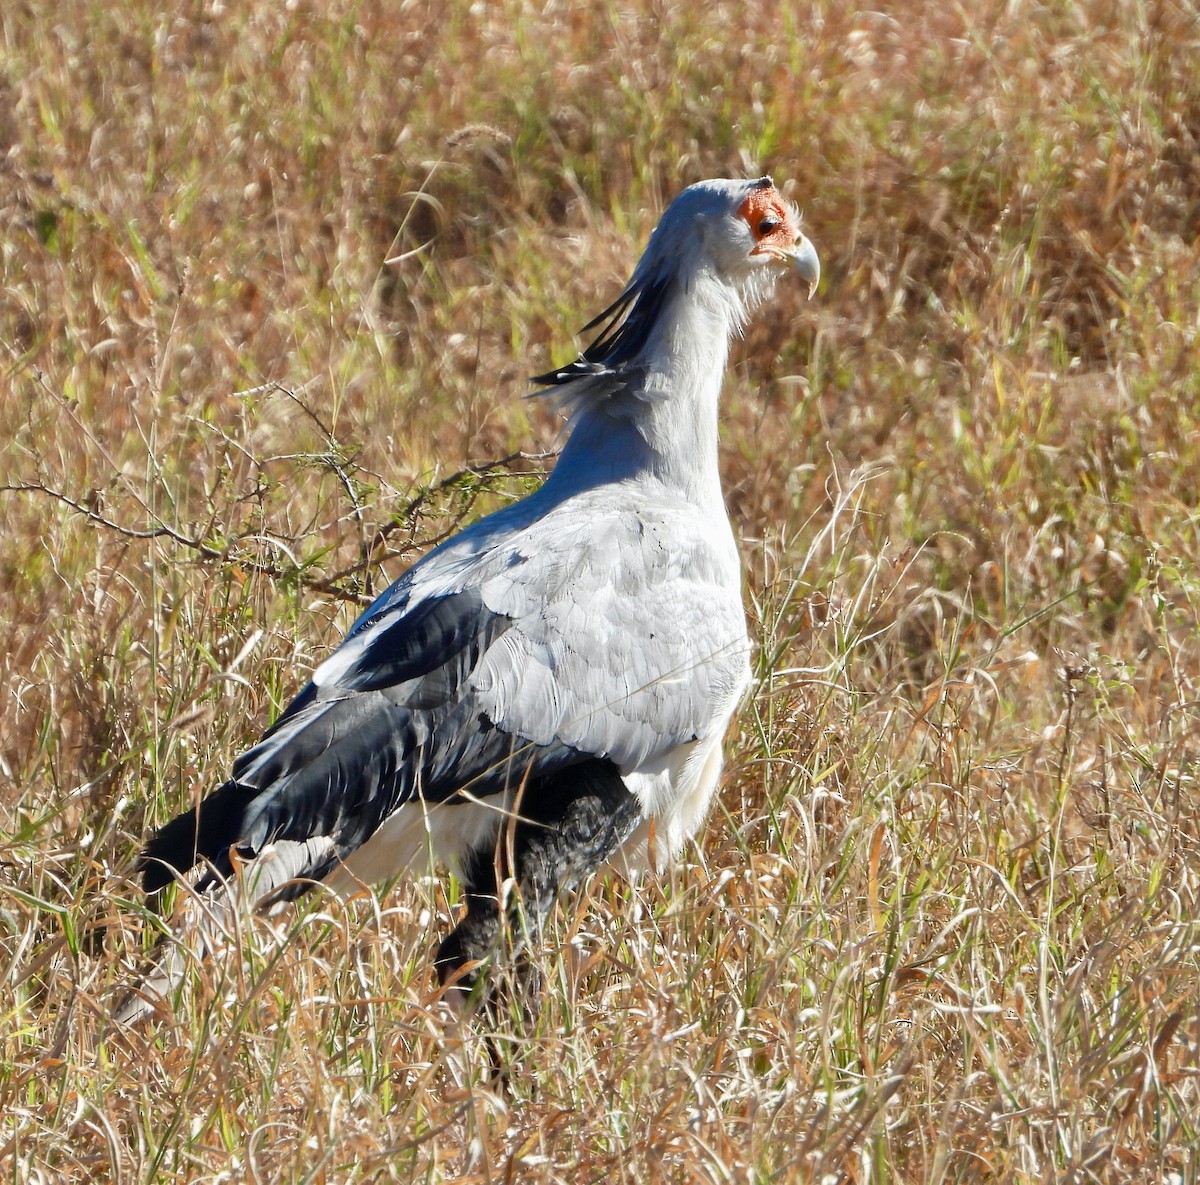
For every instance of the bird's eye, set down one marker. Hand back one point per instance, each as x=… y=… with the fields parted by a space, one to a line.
x=766 y=226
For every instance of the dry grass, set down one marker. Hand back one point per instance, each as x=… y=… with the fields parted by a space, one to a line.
x=944 y=927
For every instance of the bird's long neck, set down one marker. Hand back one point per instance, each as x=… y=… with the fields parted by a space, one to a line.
x=661 y=423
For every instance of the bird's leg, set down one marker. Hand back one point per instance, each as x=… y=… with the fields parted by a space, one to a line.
x=476 y=938
x=562 y=829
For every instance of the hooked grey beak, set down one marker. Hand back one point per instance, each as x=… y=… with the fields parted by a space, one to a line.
x=802 y=255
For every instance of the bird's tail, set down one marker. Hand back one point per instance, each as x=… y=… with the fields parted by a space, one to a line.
x=210 y=917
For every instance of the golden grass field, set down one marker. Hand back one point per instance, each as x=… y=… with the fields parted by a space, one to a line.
x=943 y=925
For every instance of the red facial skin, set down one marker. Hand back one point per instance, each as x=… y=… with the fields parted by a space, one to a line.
x=771 y=221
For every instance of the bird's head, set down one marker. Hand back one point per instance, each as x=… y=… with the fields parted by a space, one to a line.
x=731 y=239
x=742 y=231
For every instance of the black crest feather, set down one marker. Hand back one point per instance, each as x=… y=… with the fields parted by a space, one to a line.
x=625 y=327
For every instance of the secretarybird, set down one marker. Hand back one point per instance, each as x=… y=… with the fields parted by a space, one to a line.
x=550 y=687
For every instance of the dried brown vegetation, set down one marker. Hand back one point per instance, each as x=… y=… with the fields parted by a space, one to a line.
x=944 y=926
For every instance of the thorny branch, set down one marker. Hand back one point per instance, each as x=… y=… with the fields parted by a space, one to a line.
x=92 y=515
x=334 y=585
x=331 y=585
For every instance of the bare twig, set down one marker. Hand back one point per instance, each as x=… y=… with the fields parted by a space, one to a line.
x=334 y=585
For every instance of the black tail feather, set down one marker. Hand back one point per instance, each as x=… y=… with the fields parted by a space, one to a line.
x=205 y=833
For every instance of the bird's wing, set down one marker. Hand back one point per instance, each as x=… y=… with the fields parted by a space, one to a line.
x=585 y=632
x=615 y=634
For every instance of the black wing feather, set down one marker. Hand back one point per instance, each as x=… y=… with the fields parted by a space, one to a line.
x=400 y=723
